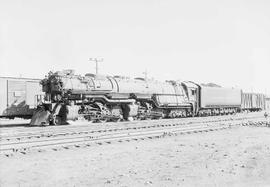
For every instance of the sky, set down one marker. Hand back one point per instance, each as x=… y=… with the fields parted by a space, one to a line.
x=225 y=42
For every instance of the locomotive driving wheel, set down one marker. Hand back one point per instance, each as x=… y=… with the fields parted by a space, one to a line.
x=101 y=119
x=103 y=113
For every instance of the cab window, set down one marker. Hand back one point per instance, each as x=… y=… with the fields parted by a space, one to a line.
x=193 y=92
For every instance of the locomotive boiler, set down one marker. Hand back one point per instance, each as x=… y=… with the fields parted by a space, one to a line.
x=101 y=98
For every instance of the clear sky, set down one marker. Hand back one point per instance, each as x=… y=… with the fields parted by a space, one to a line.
x=225 y=42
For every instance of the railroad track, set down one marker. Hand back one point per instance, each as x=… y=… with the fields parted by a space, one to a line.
x=14 y=139
x=85 y=135
x=79 y=124
x=9 y=148
x=77 y=130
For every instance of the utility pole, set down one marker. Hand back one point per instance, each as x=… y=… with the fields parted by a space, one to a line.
x=145 y=74
x=96 y=60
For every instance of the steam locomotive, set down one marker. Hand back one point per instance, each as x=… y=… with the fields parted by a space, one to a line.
x=101 y=98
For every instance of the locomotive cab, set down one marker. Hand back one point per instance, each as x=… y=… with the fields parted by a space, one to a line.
x=192 y=90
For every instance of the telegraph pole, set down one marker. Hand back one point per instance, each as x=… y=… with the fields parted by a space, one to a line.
x=96 y=60
x=145 y=74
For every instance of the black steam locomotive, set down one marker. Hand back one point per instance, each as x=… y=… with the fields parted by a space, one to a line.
x=106 y=98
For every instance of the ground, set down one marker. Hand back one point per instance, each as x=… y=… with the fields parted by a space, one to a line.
x=235 y=157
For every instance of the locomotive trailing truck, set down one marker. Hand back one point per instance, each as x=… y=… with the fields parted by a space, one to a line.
x=102 y=98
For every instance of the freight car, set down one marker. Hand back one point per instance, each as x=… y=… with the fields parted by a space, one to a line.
x=19 y=96
x=253 y=102
x=267 y=103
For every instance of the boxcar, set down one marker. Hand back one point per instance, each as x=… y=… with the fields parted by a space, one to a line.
x=253 y=102
x=19 y=96
x=267 y=103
